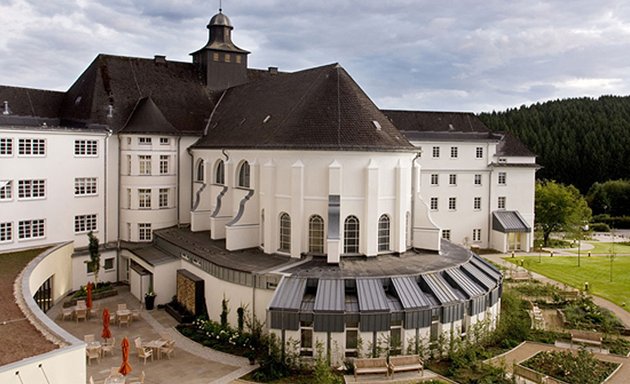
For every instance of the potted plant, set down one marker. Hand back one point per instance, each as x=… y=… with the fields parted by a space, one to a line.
x=149 y=299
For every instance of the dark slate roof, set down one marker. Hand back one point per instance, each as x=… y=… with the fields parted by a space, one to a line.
x=440 y=288
x=154 y=256
x=320 y=108
x=509 y=221
x=174 y=87
x=409 y=293
x=147 y=117
x=330 y=296
x=465 y=283
x=486 y=267
x=289 y=294
x=30 y=107
x=423 y=121
x=510 y=145
x=371 y=296
x=477 y=275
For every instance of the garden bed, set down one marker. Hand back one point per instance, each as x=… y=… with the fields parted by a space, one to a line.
x=102 y=291
x=578 y=368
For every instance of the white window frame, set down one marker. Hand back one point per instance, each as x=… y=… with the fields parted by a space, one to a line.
x=143 y=140
x=30 y=147
x=479 y=153
x=435 y=179
x=163 y=198
x=6 y=232
x=6 y=146
x=144 y=198
x=452 y=179
x=284 y=232
x=502 y=178
x=351 y=236
x=6 y=190
x=477 y=179
x=476 y=234
x=85 y=223
x=384 y=232
x=452 y=203
x=477 y=203
x=165 y=140
x=144 y=232
x=31 y=229
x=244 y=175
x=113 y=262
x=316 y=235
x=165 y=161
x=454 y=152
x=435 y=152
x=144 y=164
x=446 y=234
x=304 y=329
x=85 y=186
x=434 y=203
x=31 y=189
x=86 y=148
x=501 y=202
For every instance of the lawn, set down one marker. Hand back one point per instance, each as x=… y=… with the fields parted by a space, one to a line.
x=604 y=248
x=594 y=270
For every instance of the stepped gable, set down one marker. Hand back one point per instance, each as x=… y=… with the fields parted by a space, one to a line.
x=510 y=145
x=436 y=121
x=320 y=108
x=147 y=118
x=29 y=106
x=121 y=82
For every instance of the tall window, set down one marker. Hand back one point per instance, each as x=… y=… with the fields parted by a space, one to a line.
x=446 y=234
x=129 y=164
x=502 y=178
x=6 y=146
x=316 y=234
x=434 y=179
x=477 y=179
x=285 y=232
x=200 y=175
x=84 y=223
x=145 y=164
x=452 y=179
x=219 y=172
x=351 y=235
x=501 y=202
x=85 y=148
x=144 y=198
x=163 y=200
x=243 y=175
x=383 y=233
x=479 y=152
x=6 y=231
x=436 y=152
x=434 y=203
x=452 y=203
x=32 y=147
x=477 y=203
x=352 y=339
x=454 y=152
x=306 y=338
x=477 y=234
x=31 y=189
x=144 y=231
x=84 y=186
x=164 y=160
x=31 y=229
x=6 y=189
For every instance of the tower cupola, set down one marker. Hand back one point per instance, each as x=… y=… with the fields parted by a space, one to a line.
x=221 y=63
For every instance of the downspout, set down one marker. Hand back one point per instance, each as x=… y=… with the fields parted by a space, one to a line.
x=118 y=211
x=490 y=205
x=412 y=217
x=177 y=177
x=108 y=134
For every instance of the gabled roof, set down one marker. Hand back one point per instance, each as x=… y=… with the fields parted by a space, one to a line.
x=147 y=117
x=121 y=82
x=510 y=145
x=424 y=121
x=29 y=107
x=319 y=108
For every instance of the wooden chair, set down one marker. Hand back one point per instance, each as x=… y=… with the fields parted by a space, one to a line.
x=168 y=349
x=67 y=313
x=124 y=319
x=109 y=346
x=80 y=314
x=135 y=314
x=139 y=380
x=144 y=353
x=94 y=312
x=88 y=338
x=92 y=353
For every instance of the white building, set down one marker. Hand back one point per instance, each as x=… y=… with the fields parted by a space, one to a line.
x=257 y=183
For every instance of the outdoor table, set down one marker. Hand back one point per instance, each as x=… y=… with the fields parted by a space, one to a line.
x=122 y=312
x=116 y=379
x=95 y=345
x=155 y=345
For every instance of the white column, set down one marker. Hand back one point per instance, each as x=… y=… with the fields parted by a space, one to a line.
x=369 y=226
x=297 y=208
x=268 y=187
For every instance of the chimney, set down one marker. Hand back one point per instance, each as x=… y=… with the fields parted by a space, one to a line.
x=273 y=70
x=159 y=59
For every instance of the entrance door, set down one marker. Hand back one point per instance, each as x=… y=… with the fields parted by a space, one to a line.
x=514 y=241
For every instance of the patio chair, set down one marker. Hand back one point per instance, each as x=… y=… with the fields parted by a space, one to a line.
x=168 y=349
x=93 y=353
x=81 y=304
x=88 y=338
x=122 y=306
x=139 y=380
x=135 y=314
x=94 y=312
x=144 y=353
x=124 y=319
x=80 y=314
x=109 y=346
x=67 y=313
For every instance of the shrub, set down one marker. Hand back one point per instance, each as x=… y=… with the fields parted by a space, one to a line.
x=600 y=227
x=582 y=368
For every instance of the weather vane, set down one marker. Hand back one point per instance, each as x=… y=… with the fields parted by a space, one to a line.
x=220 y=5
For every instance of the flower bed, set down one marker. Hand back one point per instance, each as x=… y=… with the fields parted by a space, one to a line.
x=210 y=334
x=579 y=368
x=101 y=291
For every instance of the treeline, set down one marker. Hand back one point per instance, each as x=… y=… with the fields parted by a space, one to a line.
x=577 y=141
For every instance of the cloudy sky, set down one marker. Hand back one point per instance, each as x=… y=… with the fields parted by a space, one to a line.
x=464 y=55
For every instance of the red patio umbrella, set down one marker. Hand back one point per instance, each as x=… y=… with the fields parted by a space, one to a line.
x=106 y=334
x=88 y=299
x=125 y=368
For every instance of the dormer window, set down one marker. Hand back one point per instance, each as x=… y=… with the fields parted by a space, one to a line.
x=228 y=58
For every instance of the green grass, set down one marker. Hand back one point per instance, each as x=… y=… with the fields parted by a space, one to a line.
x=595 y=270
x=604 y=248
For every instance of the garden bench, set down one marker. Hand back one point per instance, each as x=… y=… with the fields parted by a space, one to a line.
x=371 y=365
x=520 y=275
x=586 y=337
x=406 y=363
x=569 y=295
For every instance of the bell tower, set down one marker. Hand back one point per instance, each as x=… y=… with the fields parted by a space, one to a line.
x=221 y=63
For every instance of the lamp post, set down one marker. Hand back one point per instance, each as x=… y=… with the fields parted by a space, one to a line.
x=583 y=229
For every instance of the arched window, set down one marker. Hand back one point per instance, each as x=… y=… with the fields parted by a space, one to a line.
x=201 y=170
x=243 y=175
x=351 y=235
x=285 y=232
x=219 y=172
x=316 y=234
x=383 y=233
